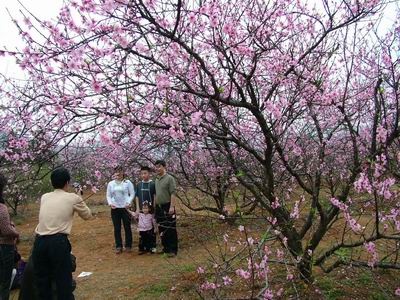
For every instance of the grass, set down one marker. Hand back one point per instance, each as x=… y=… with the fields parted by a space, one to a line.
x=365 y=279
x=154 y=291
x=378 y=296
x=343 y=253
x=187 y=268
x=329 y=289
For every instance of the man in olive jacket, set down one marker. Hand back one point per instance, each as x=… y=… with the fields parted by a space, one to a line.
x=165 y=209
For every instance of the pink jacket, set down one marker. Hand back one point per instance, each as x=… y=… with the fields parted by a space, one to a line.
x=146 y=222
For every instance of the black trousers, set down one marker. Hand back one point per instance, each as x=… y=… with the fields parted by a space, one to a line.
x=120 y=216
x=6 y=267
x=147 y=240
x=167 y=228
x=51 y=257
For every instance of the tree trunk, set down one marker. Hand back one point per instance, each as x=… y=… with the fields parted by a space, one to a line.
x=305 y=269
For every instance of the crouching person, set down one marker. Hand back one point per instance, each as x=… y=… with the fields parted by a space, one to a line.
x=51 y=251
x=28 y=289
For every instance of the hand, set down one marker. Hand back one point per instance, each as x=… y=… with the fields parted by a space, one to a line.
x=127 y=206
x=171 y=210
x=113 y=206
x=156 y=230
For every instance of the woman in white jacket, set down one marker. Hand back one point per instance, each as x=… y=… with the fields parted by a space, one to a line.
x=120 y=193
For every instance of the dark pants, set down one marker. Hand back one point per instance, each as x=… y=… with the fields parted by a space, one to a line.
x=51 y=257
x=121 y=216
x=6 y=267
x=167 y=228
x=147 y=240
x=29 y=290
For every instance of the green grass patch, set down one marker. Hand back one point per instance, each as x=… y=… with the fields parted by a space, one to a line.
x=343 y=253
x=187 y=268
x=365 y=278
x=330 y=291
x=154 y=291
x=378 y=296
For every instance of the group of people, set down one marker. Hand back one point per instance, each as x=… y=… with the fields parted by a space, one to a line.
x=154 y=211
x=51 y=264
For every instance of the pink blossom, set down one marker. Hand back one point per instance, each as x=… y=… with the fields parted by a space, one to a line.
x=208 y=286
x=97 y=173
x=162 y=81
x=225 y=236
x=137 y=131
x=196 y=118
x=200 y=270
x=371 y=249
x=381 y=134
x=268 y=295
x=275 y=204
x=192 y=18
x=242 y=273
x=96 y=86
x=295 y=213
x=363 y=184
x=227 y=280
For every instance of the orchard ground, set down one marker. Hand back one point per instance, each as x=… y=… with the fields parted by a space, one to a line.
x=130 y=276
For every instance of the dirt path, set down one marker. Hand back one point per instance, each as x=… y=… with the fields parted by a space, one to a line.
x=125 y=276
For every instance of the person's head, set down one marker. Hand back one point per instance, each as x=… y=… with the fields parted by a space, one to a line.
x=3 y=182
x=145 y=173
x=119 y=173
x=160 y=167
x=145 y=208
x=60 y=178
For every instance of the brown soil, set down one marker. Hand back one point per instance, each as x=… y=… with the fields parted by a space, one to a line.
x=130 y=276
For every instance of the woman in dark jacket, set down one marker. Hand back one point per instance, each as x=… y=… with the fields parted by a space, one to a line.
x=8 y=237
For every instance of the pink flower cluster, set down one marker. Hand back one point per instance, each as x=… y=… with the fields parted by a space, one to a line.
x=356 y=227
x=371 y=249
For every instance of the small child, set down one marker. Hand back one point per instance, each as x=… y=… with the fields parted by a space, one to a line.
x=147 y=228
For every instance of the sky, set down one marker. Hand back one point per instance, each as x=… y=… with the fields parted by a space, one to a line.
x=9 y=38
x=48 y=9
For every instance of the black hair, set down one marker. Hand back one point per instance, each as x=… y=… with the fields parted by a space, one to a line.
x=161 y=162
x=3 y=182
x=60 y=177
x=145 y=168
x=118 y=168
x=147 y=204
